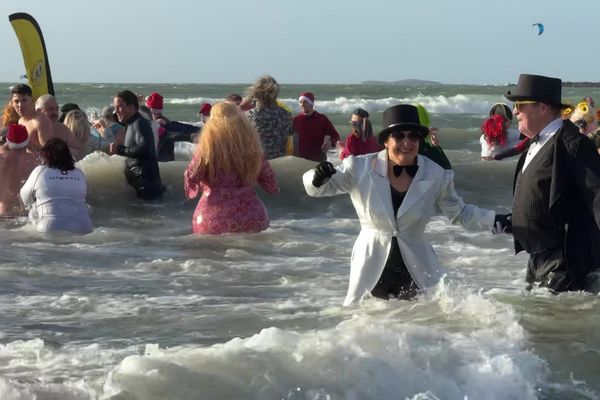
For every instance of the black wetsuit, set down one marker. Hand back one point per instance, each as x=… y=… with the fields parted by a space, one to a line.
x=395 y=281
x=141 y=166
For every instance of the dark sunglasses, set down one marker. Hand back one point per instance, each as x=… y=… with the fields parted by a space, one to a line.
x=411 y=136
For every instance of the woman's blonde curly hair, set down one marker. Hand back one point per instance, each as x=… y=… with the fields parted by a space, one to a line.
x=228 y=144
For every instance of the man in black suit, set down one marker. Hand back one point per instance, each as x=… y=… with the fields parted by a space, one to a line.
x=556 y=205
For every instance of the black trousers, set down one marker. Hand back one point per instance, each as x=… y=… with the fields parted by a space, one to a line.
x=548 y=268
x=395 y=280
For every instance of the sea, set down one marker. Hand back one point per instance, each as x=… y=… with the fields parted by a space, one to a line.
x=142 y=309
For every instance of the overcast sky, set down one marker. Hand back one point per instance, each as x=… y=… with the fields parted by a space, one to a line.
x=308 y=41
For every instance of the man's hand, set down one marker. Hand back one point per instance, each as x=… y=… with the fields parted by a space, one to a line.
x=502 y=223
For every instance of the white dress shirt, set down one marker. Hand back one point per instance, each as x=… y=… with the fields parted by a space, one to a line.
x=543 y=137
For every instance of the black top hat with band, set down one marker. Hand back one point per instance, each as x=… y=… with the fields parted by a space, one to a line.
x=402 y=117
x=538 y=88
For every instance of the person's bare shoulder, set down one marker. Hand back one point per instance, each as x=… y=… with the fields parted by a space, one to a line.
x=44 y=127
x=61 y=131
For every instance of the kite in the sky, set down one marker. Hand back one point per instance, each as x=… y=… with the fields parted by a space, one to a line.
x=540 y=27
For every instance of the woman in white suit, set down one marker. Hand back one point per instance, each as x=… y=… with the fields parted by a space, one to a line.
x=395 y=193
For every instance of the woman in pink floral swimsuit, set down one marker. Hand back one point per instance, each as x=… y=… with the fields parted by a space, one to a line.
x=227 y=162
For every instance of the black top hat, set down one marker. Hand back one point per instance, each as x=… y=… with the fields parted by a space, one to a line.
x=537 y=88
x=402 y=117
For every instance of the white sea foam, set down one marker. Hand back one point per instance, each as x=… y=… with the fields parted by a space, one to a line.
x=455 y=104
x=259 y=316
x=391 y=354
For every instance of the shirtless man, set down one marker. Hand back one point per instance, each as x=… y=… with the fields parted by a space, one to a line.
x=16 y=163
x=38 y=125
x=46 y=104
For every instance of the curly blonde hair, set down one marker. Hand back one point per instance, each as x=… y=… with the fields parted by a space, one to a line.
x=265 y=90
x=228 y=144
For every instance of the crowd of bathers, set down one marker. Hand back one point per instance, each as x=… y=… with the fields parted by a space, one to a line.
x=237 y=137
x=309 y=135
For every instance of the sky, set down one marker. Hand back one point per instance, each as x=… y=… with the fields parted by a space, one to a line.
x=308 y=41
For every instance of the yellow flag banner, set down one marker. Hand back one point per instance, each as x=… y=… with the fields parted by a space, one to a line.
x=35 y=57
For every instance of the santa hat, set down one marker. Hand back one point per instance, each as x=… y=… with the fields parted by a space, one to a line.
x=205 y=109
x=307 y=97
x=17 y=136
x=155 y=103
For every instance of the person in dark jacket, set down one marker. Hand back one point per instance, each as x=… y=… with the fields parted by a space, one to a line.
x=141 y=165
x=169 y=131
x=556 y=204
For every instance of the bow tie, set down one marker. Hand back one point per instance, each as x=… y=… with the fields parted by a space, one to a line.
x=410 y=169
x=535 y=139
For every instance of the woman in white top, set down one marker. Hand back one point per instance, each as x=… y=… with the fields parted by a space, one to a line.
x=497 y=135
x=55 y=192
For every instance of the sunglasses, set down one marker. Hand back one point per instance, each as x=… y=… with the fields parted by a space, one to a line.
x=518 y=104
x=411 y=136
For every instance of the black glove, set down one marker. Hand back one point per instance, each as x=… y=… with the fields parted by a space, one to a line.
x=502 y=223
x=323 y=171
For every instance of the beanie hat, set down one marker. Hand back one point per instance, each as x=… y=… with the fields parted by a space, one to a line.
x=308 y=97
x=155 y=103
x=205 y=109
x=17 y=136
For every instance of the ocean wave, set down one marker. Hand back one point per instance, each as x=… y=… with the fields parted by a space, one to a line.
x=456 y=104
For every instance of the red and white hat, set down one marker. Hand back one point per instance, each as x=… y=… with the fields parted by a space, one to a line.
x=307 y=97
x=155 y=103
x=205 y=109
x=17 y=136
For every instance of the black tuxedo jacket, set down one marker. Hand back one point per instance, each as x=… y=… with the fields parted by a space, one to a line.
x=574 y=201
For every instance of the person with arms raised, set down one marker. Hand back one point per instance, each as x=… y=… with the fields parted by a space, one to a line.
x=395 y=192
x=273 y=123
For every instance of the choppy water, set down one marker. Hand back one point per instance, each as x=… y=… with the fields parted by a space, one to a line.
x=142 y=309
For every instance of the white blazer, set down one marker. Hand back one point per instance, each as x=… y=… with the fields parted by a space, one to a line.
x=432 y=189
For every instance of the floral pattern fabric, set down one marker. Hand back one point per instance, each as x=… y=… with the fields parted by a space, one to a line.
x=274 y=125
x=228 y=205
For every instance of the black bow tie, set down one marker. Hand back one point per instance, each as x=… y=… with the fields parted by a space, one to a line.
x=410 y=169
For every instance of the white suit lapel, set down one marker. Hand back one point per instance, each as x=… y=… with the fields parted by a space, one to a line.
x=381 y=184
